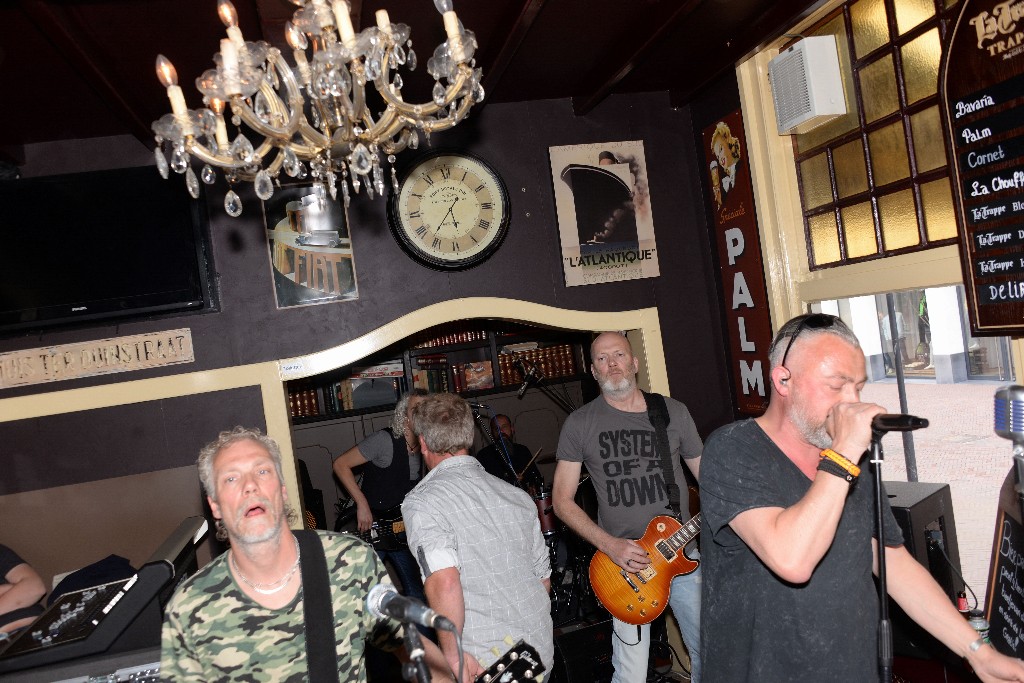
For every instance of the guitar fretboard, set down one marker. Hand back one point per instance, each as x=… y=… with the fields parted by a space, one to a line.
x=668 y=547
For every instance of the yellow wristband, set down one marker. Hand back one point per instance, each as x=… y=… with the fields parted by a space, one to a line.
x=842 y=461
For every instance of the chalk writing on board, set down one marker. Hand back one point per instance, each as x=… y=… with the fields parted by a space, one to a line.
x=1006 y=591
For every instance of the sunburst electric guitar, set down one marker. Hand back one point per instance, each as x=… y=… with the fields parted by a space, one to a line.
x=640 y=597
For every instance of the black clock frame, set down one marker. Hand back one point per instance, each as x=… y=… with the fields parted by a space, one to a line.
x=428 y=260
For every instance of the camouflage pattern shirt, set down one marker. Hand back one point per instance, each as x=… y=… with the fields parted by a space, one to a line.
x=214 y=632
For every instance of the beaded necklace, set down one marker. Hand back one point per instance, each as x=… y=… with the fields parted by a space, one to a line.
x=266 y=588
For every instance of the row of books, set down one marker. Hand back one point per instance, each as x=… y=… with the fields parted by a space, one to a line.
x=450 y=334
x=431 y=379
x=383 y=383
x=558 y=360
x=303 y=402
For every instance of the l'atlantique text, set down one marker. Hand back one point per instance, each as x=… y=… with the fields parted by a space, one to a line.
x=611 y=258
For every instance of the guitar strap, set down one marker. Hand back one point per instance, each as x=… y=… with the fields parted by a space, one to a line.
x=321 y=655
x=657 y=412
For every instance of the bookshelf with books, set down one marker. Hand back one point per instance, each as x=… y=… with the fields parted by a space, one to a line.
x=466 y=357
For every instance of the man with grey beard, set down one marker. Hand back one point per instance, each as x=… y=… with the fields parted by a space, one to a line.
x=788 y=539
x=614 y=437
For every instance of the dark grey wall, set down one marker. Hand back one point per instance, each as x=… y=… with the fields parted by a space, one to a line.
x=515 y=139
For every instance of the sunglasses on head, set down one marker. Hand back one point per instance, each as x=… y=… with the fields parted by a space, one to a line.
x=814 y=321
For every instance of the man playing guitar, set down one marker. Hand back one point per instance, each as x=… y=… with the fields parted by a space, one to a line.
x=613 y=435
x=391 y=464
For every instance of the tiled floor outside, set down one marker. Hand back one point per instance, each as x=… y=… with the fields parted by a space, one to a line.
x=958 y=448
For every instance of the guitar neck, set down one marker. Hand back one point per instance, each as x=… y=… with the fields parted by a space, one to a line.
x=687 y=532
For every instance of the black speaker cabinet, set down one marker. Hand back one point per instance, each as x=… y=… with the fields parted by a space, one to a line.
x=583 y=653
x=925 y=514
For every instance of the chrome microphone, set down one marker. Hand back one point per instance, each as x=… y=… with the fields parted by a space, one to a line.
x=1009 y=414
x=384 y=601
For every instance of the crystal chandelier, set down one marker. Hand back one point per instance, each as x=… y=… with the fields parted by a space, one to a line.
x=316 y=112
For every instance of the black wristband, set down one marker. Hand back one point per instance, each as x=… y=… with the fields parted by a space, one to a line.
x=827 y=465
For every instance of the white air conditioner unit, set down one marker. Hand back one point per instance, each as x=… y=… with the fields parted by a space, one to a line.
x=806 y=85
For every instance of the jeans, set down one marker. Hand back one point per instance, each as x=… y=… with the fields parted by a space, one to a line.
x=408 y=572
x=630 y=656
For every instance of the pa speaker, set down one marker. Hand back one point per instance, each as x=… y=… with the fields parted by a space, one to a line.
x=583 y=653
x=925 y=515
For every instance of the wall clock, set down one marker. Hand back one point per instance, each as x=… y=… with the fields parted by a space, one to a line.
x=451 y=210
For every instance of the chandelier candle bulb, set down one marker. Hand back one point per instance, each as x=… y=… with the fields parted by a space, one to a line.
x=383 y=20
x=297 y=41
x=229 y=60
x=221 y=131
x=169 y=79
x=229 y=16
x=227 y=13
x=451 y=27
x=345 y=28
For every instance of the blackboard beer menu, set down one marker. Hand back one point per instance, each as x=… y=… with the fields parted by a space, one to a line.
x=1004 y=603
x=981 y=87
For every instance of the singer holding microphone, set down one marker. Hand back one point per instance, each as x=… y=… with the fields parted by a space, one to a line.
x=788 y=537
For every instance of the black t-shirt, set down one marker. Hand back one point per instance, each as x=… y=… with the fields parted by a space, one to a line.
x=758 y=627
x=494 y=462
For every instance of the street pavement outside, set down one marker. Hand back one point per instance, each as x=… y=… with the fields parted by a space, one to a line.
x=959 y=448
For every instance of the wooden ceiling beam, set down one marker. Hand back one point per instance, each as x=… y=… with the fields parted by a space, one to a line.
x=518 y=30
x=73 y=45
x=760 y=31
x=644 y=33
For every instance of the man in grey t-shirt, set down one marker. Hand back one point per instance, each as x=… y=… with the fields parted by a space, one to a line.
x=614 y=437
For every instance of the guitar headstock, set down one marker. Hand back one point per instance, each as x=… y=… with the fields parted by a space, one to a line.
x=519 y=664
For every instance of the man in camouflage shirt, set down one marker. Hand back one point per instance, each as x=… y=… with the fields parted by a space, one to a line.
x=241 y=616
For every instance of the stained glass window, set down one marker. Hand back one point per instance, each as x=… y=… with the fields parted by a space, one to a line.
x=876 y=181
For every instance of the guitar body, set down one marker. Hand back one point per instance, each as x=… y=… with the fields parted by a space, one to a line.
x=640 y=597
x=387 y=531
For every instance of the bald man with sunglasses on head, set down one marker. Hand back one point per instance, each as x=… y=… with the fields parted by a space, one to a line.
x=788 y=538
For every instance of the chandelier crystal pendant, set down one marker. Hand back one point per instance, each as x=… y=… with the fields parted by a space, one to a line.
x=316 y=112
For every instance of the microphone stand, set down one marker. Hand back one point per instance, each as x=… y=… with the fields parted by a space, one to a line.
x=884 y=625
x=416 y=668
x=533 y=376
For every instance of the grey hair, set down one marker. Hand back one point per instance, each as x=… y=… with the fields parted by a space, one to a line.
x=790 y=329
x=445 y=422
x=400 y=415
x=229 y=438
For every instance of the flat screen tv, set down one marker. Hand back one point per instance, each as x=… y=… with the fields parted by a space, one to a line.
x=98 y=246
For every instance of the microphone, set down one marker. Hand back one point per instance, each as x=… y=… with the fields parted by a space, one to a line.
x=896 y=423
x=384 y=601
x=528 y=377
x=1009 y=413
x=479 y=406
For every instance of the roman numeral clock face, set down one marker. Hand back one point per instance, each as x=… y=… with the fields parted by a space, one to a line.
x=451 y=211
